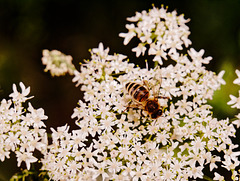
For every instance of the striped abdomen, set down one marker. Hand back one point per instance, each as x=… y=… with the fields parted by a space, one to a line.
x=137 y=91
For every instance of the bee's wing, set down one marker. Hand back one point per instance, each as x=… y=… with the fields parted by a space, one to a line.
x=146 y=84
x=156 y=91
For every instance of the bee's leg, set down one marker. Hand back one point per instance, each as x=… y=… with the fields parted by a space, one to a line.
x=142 y=113
x=130 y=105
x=162 y=97
x=138 y=107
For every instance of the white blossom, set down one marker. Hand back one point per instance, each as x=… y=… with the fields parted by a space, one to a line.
x=235 y=101
x=218 y=177
x=121 y=133
x=20 y=97
x=237 y=81
x=26 y=157
x=165 y=32
x=22 y=130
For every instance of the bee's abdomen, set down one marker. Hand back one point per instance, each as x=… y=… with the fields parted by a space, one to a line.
x=137 y=91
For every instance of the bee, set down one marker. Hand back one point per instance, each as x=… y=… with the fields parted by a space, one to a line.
x=143 y=100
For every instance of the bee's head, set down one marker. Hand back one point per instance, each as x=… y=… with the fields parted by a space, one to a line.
x=156 y=114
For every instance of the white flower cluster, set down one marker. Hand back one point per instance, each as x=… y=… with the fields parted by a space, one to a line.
x=116 y=143
x=77 y=155
x=113 y=144
x=21 y=131
x=57 y=63
x=62 y=158
x=163 y=31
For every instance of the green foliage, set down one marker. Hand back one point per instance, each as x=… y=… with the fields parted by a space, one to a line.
x=30 y=175
x=221 y=97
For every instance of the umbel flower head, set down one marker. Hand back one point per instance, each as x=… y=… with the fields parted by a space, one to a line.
x=163 y=31
x=22 y=131
x=115 y=143
x=118 y=141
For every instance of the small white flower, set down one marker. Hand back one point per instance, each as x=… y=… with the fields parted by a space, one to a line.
x=101 y=52
x=218 y=177
x=155 y=49
x=196 y=172
x=20 y=97
x=12 y=141
x=237 y=121
x=26 y=157
x=114 y=165
x=235 y=101
x=61 y=132
x=139 y=173
x=140 y=49
x=37 y=116
x=197 y=57
x=213 y=162
x=162 y=137
x=198 y=144
x=3 y=153
x=100 y=171
x=128 y=36
x=237 y=81
x=220 y=79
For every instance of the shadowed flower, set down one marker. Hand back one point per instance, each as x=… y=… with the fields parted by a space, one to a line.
x=57 y=63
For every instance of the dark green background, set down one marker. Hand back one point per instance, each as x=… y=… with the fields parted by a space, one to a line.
x=73 y=27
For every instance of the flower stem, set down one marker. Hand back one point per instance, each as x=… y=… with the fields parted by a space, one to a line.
x=205 y=177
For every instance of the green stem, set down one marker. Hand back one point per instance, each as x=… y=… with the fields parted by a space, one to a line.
x=117 y=74
x=155 y=64
x=205 y=177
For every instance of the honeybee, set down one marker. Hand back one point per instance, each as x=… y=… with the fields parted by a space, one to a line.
x=143 y=100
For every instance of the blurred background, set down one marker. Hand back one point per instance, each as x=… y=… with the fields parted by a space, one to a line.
x=73 y=27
